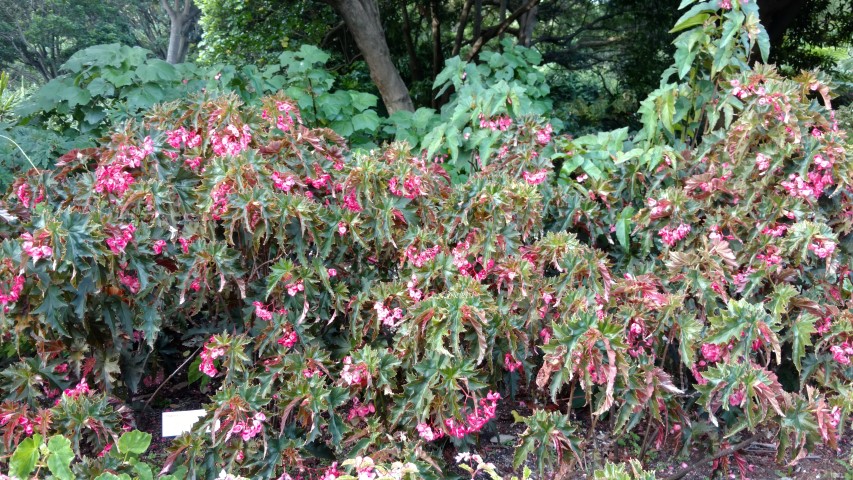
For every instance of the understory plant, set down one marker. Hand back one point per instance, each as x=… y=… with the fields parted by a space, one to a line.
x=358 y=312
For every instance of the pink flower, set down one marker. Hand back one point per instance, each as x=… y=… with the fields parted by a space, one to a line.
x=106 y=450
x=712 y=352
x=776 y=231
x=219 y=195
x=332 y=272
x=388 y=317
x=511 y=364
x=159 y=246
x=231 y=142
x=295 y=287
x=427 y=432
x=24 y=194
x=129 y=281
x=737 y=397
x=288 y=340
x=351 y=202
x=112 y=178
x=14 y=292
x=359 y=410
x=543 y=136
x=283 y=182
x=121 y=237
x=354 y=374
x=208 y=355
x=194 y=163
x=82 y=388
x=34 y=247
x=535 y=178
x=671 y=236
x=262 y=312
x=762 y=161
x=420 y=258
x=342 y=228
x=411 y=186
x=822 y=247
x=545 y=335
x=842 y=353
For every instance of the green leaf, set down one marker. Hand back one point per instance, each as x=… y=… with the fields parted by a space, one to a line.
x=61 y=455
x=134 y=442
x=23 y=461
x=802 y=331
x=689 y=18
x=368 y=121
x=623 y=228
x=690 y=22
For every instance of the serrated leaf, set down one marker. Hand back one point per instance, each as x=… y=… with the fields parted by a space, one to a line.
x=801 y=332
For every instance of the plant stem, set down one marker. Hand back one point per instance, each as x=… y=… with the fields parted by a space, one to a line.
x=734 y=448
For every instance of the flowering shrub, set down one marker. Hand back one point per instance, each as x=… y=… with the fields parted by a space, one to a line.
x=693 y=278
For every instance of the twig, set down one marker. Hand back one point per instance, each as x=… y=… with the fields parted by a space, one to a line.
x=22 y=151
x=734 y=448
x=153 y=395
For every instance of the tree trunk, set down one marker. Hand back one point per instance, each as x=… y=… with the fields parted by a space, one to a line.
x=362 y=19
x=180 y=15
x=527 y=23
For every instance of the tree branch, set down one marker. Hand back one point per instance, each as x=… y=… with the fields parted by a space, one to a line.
x=500 y=28
x=734 y=448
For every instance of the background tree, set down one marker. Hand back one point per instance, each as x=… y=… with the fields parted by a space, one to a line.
x=42 y=34
x=183 y=16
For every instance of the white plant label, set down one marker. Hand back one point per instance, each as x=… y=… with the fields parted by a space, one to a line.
x=176 y=423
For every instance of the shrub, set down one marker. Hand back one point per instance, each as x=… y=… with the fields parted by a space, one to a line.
x=692 y=279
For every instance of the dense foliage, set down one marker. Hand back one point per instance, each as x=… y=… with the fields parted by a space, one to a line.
x=358 y=310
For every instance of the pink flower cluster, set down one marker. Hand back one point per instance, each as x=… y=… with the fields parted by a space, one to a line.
x=412 y=288
x=712 y=352
x=25 y=195
x=411 y=186
x=351 y=202
x=208 y=355
x=354 y=374
x=737 y=397
x=82 y=388
x=129 y=281
x=295 y=287
x=822 y=247
x=543 y=136
x=248 y=429
x=158 y=247
x=332 y=472
x=762 y=161
x=22 y=422
x=388 y=317
x=219 y=195
x=670 y=236
x=511 y=364
x=359 y=410
x=460 y=261
x=122 y=235
x=181 y=136
x=428 y=433
x=815 y=182
x=501 y=123
x=289 y=339
x=282 y=181
x=14 y=292
x=535 y=178
x=231 y=142
x=842 y=353
x=770 y=256
x=131 y=156
x=114 y=177
x=35 y=247
x=285 y=122
x=420 y=258
x=475 y=420
x=775 y=231
x=261 y=312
